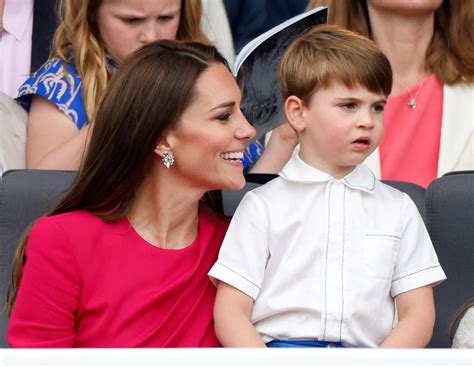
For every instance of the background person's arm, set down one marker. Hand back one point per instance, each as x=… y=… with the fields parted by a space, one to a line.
x=278 y=150
x=232 y=312
x=53 y=141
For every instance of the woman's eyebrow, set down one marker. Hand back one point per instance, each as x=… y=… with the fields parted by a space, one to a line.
x=223 y=105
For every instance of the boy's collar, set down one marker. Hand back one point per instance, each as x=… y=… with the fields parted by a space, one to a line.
x=296 y=170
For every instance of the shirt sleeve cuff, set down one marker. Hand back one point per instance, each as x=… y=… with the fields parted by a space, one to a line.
x=405 y=282
x=228 y=275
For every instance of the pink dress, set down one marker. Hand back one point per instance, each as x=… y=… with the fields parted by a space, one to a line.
x=87 y=283
x=410 y=146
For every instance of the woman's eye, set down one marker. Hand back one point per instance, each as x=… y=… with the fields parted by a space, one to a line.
x=224 y=116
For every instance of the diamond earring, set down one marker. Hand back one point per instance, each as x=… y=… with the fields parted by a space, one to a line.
x=168 y=159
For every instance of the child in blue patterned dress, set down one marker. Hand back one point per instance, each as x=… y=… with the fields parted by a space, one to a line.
x=92 y=39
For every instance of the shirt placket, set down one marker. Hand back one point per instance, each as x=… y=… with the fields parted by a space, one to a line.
x=332 y=303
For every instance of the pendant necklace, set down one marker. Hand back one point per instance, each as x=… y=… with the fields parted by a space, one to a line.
x=412 y=100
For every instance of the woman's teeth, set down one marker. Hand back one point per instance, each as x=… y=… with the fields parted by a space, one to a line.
x=233 y=156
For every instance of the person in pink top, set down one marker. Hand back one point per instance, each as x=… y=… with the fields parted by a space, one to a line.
x=429 y=123
x=122 y=261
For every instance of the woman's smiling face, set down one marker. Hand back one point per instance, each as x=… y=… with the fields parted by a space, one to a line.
x=209 y=139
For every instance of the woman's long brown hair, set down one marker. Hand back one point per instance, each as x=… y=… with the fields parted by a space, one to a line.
x=146 y=97
x=450 y=53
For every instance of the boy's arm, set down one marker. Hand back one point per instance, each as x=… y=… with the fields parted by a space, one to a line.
x=416 y=316
x=232 y=312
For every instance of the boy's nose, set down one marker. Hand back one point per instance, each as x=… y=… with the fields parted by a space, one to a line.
x=365 y=121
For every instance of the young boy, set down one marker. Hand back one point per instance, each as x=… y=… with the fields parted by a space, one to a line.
x=318 y=256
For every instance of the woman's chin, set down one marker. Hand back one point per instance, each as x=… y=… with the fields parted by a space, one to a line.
x=235 y=183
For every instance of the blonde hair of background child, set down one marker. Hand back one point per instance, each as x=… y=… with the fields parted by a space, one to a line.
x=78 y=33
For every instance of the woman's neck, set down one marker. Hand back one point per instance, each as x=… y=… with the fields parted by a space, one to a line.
x=404 y=39
x=165 y=212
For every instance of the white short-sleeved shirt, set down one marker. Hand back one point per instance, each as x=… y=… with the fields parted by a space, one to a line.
x=323 y=258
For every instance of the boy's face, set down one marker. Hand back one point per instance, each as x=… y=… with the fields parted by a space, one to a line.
x=342 y=127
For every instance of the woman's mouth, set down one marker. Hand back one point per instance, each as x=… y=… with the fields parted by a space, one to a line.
x=233 y=157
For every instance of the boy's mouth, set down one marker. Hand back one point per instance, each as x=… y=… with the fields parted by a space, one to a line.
x=362 y=143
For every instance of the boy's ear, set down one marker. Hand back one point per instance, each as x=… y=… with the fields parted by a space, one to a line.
x=294 y=110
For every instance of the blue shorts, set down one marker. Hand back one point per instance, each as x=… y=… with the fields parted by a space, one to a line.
x=312 y=343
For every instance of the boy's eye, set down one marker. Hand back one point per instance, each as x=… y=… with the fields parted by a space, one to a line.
x=349 y=106
x=378 y=108
x=223 y=116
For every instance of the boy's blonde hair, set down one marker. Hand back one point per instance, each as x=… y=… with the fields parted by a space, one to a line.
x=327 y=53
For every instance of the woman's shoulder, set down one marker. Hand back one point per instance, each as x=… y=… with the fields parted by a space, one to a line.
x=71 y=223
x=59 y=82
x=74 y=232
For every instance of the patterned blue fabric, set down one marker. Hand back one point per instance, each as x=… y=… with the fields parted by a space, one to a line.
x=252 y=153
x=303 y=344
x=63 y=89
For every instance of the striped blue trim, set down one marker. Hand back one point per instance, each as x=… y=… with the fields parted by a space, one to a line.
x=342 y=262
x=416 y=272
x=240 y=275
x=326 y=267
x=363 y=187
x=383 y=236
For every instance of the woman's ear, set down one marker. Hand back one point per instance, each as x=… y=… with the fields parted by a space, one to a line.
x=294 y=110
x=165 y=144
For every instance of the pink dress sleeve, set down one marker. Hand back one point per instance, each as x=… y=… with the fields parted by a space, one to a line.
x=44 y=312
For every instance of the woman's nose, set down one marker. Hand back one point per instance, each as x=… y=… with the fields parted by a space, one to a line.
x=244 y=130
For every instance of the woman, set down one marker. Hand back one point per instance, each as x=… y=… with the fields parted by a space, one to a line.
x=93 y=38
x=429 y=127
x=122 y=261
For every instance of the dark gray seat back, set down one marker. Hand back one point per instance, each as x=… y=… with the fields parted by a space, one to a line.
x=25 y=195
x=450 y=214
